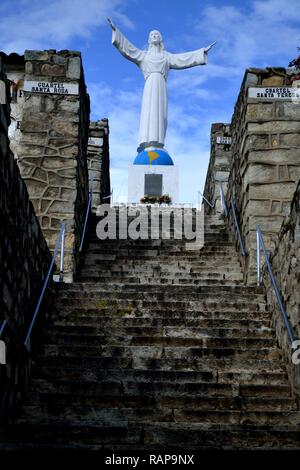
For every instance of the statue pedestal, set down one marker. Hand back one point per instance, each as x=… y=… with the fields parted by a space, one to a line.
x=152 y=180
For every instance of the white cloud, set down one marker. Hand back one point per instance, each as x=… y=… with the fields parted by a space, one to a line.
x=30 y=24
x=261 y=34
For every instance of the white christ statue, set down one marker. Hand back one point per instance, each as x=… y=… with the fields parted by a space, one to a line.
x=155 y=64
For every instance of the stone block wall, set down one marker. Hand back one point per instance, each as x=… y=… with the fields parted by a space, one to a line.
x=265 y=165
x=98 y=161
x=285 y=261
x=52 y=150
x=219 y=166
x=24 y=261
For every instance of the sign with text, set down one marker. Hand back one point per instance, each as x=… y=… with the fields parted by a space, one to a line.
x=95 y=141
x=221 y=139
x=275 y=93
x=55 y=88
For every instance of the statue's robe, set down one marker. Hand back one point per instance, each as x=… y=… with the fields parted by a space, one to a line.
x=155 y=67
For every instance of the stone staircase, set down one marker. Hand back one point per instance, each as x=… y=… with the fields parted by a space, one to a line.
x=158 y=347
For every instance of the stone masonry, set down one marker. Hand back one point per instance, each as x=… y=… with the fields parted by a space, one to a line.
x=265 y=159
x=98 y=161
x=51 y=141
x=286 y=267
x=219 y=165
x=25 y=259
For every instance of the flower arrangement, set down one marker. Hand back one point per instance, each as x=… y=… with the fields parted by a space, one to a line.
x=164 y=199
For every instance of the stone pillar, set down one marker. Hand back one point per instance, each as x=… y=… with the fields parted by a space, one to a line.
x=219 y=166
x=98 y=161
x=53 y=145
x=24 y=262
x=265 y=156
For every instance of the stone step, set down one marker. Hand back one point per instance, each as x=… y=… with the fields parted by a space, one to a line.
x=163 y=436
x=190 y=353
x=96 y=323
x=104 y=309
x=222 y=364
x=119 y=253
x=87 y=415
x=212 y=243
x=216 y=273
x=154 y=375
x=116 y=302
x=159 y=388
x=163 y=330
x=160 y=293
x=248 y=342
x=92 y=288
x=128 y=401
x=182 y=331
x=227 y=280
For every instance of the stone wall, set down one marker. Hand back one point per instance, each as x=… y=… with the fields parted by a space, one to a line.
x=265 y=165
x=52 y=147
x=98 y=161
x=285 y=261
x=219 y=166
x=25 y=259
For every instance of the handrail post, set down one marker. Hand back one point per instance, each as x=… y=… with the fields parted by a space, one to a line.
x=62 y=253
x=223 y=202
x=258 y=256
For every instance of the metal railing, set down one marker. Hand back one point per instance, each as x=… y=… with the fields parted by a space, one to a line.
x=88 y=212
x=205 y=199
x=261 y=246
x=59 y=242
x=233 y=211
x=109 y=195
x=7 y=325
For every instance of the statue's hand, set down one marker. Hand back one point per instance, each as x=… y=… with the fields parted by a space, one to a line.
x=111 y=24
x=206 y=49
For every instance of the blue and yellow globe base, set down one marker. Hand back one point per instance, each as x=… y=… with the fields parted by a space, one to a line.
x=153 y=156
x=152 y=160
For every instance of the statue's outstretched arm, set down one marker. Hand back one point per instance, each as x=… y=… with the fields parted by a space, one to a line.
x=186 y=60
x=128 y=50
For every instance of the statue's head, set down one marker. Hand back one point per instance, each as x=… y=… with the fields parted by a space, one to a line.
x=155 y=38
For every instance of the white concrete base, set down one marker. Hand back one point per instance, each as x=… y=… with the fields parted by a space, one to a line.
x=136 y=180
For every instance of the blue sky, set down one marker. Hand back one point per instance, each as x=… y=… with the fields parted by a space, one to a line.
x=249 y=34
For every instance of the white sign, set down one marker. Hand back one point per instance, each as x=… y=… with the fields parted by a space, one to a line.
x=95 y=141
x=2 y=352
x=275 y=93
x=221 y=139
x=51 y=87
x=2 y=92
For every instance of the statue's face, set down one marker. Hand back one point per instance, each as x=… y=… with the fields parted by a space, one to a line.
x=155 y=37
